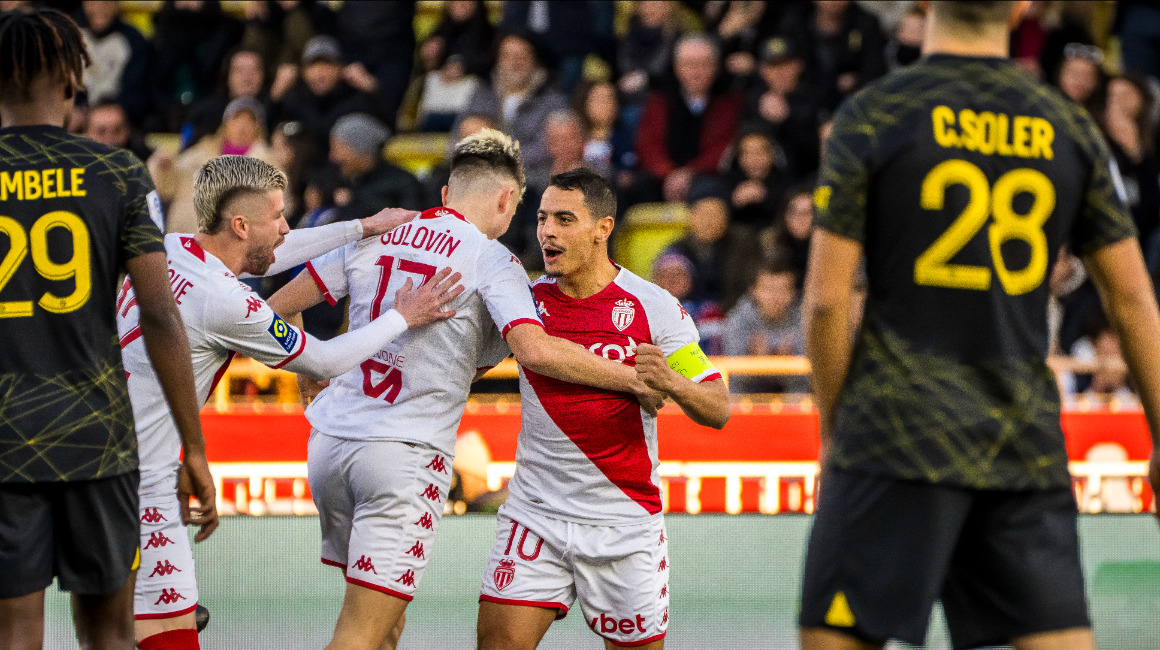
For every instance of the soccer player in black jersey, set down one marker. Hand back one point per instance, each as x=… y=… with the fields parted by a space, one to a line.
x=945 y=476
x=73 y=213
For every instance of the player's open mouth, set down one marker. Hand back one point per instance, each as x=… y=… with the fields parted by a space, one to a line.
x=551 y=252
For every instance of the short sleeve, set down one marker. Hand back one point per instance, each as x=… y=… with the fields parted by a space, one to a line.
x=139 y=230
x=1103 y=217
x=503 y=285
x=844 y=176
x=243 y=322
x=675 y=333
x=329 y=273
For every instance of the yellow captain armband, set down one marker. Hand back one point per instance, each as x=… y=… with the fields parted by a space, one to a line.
x=691 y=363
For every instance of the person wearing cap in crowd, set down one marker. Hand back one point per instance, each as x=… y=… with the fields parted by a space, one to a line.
x=779 y=97
x=724 y=254
x=243 y=133
x=368 y=181
x=323 y=96
x=674 y=273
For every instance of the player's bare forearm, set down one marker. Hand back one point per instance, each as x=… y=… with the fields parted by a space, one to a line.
x=826 y=318
x=298 y=295
x=561 y=359
x=706 y=403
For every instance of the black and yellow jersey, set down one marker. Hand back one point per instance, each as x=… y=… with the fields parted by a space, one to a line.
x=72 y=212
x=962 y=178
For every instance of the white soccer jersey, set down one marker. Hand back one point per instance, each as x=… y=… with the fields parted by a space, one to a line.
x=587 y=454
x=415 y=389
x=222 y=316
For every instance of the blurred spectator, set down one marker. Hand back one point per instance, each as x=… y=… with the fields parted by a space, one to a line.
x=293 y=150
x=768 y=321
x=469 y=124
x=1081 y=77
x=1030 y=36
x=789 y=237
x=685 y=130
x=322 y=96
x=241 y=133
x=1127 y=122
x=1138 y=26
x=109 y=125
x=280 y=30
x=120 y=53
x=78 y=119
x=463 y=31
x=190 y=42
x=741 y=27
x=608 y=149
x=724 y=254
x=1068 y=21
x=674 y=273
x=645 y=52
x=569 y=29
x=906 y=46
x=244 y=76
x=843 y=45
x=756 y=178
x=369 y=183
x=446 y=92
x=519 y=99
x=779 y=96
x=379 y=41
x=566 y=140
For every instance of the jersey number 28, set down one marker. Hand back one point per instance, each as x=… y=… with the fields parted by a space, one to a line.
x=933 y=267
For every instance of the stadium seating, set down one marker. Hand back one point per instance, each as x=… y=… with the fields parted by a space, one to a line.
x=418 y=153
x=647 y=229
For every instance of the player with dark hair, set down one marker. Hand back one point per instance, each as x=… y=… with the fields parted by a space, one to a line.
x=583 y=521
x=75 y=214
x=384 y=433
x=945 y=474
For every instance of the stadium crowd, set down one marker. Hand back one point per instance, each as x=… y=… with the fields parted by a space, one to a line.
x=722 y=107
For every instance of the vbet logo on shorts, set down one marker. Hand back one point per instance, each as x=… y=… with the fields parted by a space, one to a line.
x=504 y=573
x=610 y=624
x=286 y=336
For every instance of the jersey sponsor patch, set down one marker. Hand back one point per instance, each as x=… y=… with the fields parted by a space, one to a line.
x=283 y=333
x=153 y=201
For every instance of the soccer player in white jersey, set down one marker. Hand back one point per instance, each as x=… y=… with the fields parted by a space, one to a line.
x=384 y=434
x=583 y=520
x=239 y=205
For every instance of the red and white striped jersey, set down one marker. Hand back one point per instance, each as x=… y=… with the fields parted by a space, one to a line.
x=587 y=454
x=415 y=389
x=222 y=316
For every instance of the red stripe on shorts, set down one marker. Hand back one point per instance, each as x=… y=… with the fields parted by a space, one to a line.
x=372 y=586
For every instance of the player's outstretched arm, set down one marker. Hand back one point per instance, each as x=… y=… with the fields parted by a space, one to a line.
x=168 y=349
x=561 y=359
x=412 y=308
x=1122 y=280
x=706 y=403
x=826 y=317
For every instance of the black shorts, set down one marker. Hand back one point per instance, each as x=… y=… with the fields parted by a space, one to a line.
x=84 y=532
x=1004 y=564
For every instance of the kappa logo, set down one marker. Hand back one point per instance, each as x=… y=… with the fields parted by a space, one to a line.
x=407 y=578
x=664 y=591
x=663 y=565
x=623 y=313
x=665 y=618
x=662 y=538
x=542 y=309
x=684 y=314
x=437 y=464
x=152 y=516
x=364 y=563
x=504 y=574
x=164 y=569
x=157 y=540
x=253 y=305
x=169 y=596
x=417 y=550
x=432 y=492
x=425 y=521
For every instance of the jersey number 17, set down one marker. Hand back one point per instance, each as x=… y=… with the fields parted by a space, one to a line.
x=391 y=383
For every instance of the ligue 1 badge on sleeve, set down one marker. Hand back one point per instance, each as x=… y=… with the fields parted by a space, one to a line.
x=504 y=573
x=623 y=313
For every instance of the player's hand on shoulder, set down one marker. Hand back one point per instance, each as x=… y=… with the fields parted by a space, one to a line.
x=194 y=479
x=386 y=220
x=423 y=305
x=653 y=369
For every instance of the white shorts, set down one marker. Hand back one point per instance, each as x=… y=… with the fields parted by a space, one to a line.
x=379 y=505
x=166 y=585
x=620 y=574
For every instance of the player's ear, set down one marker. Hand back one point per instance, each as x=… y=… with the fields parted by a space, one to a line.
x=443 y=195
x=604 y=229
x=240 y=226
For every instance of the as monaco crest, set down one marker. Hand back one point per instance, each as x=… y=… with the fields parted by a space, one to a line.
x=623 y=313
x=504 y=573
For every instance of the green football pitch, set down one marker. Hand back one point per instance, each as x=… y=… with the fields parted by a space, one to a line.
x=735 y=581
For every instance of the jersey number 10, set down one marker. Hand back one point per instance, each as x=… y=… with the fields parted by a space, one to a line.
x=77 y=267
x=933 y=267
x=389 y=386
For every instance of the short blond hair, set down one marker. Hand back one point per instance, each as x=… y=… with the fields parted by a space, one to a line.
x=226 y=178
x=488 y=152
